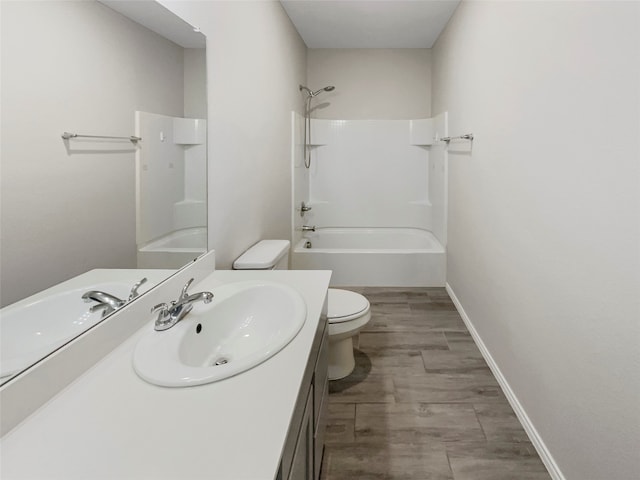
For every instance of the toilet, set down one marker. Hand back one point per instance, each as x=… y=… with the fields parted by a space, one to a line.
x=348 y=312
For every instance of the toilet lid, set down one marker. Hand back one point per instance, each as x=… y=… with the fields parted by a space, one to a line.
x=344 y=305
x=264 y=255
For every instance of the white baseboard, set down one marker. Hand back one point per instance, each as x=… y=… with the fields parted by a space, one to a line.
x=529 y=428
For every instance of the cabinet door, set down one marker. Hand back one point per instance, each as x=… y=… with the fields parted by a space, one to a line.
x=302 y=465
x=321 y=427
x=320 y=402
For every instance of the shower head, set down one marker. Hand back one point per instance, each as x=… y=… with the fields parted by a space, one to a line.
x=311 y=93
x=325 y=89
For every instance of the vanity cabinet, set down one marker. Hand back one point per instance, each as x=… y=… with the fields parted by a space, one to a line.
x=302 y=466
x=304 y=447
x=320 y=403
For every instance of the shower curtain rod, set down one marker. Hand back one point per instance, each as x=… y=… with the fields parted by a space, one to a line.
x=466 y=136
x=67 y=136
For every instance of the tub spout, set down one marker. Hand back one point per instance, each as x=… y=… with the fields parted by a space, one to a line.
x=307 y=228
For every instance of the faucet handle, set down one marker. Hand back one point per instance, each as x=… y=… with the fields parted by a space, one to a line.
x=164 y=319
x=184 y=293
x=134 y=290
x=97 y=307
x=304 y=208
x=161 y=308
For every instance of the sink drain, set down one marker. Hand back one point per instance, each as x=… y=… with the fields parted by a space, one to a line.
x=221 y=361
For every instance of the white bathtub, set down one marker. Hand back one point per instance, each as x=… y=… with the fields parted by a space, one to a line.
x=386 y=257
x=174 y=250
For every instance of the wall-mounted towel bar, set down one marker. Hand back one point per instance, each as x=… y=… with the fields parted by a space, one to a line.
x=67 y=136
x=466 y=136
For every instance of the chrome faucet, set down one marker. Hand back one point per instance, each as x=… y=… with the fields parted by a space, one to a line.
x=109 y=303
x=303 y=209
x=307 y=228
x=170 y=314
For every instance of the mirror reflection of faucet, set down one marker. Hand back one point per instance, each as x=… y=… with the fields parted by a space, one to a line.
x=110 y=303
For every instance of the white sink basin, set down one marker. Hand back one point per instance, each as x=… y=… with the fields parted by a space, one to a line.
x=245 y=324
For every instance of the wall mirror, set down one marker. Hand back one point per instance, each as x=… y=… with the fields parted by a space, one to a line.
x=91 y=212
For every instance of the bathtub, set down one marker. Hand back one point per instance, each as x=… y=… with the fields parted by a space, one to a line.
x=174 y=250
x=384 y=257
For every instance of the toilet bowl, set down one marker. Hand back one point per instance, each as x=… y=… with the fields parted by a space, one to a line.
x=348 y=312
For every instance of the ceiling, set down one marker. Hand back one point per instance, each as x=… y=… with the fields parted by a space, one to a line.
x=369 y=23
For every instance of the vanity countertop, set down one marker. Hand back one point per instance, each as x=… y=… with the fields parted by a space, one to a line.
x=111 y=424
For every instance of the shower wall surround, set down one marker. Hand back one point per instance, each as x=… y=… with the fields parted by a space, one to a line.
x=371 y=173
x=438 y=175
x=300 y=177
x=171 y=189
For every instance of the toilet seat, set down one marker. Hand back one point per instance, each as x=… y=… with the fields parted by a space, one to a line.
x=344 y=305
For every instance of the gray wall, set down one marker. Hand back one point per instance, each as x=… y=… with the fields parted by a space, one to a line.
x=544 y=224
x=255 y=61
x=371 y=83
x=79 y=67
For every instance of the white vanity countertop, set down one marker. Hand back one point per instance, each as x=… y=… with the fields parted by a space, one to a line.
x=111 y=424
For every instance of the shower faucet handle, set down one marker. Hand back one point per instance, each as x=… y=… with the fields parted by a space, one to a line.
x=303 y=209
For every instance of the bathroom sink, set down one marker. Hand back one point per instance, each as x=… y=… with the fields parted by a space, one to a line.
x=245 y=324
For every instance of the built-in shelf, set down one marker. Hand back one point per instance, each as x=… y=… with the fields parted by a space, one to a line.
x=421 y=132
x=189 y=131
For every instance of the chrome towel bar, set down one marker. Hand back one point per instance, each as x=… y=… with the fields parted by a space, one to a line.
x=466 y=136
x=67 y=136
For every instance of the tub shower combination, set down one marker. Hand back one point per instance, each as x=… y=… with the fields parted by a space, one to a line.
x=370 y=200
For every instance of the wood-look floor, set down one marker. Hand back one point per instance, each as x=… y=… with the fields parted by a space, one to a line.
x=422 y=403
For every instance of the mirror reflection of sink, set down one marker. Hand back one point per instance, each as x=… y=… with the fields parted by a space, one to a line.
x=245 y=324
x=31 y=331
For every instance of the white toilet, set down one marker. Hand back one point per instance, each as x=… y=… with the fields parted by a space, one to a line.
x=348 y=312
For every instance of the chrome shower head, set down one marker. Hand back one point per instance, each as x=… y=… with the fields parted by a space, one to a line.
x=311 y=93
x=325 y=89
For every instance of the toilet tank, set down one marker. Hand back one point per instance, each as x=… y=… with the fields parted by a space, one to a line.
x=265 y=255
